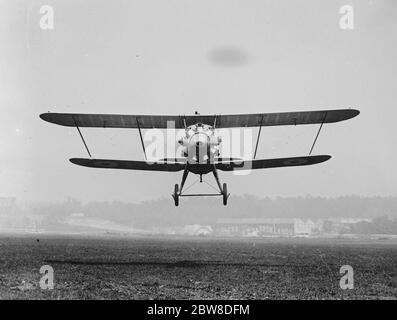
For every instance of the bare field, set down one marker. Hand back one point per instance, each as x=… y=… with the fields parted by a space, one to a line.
x=195 y=268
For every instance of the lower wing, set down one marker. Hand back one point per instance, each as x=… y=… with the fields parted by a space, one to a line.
x=220 y=165
x=130 y=165
x=271 y=163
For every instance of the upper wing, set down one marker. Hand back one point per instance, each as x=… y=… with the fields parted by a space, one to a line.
x=284 y=118
x=179 y=121
x=271 y=163
x=127 y=164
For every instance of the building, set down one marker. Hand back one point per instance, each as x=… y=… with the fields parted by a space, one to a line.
x=308 y=227
x=254 y=227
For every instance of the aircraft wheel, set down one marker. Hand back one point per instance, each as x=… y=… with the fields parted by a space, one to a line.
x=225 y=195
x=176 y=195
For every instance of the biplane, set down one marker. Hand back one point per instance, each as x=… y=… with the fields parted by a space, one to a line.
x=200 y=143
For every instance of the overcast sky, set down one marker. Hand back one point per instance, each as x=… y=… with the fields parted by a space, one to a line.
x=178 y=56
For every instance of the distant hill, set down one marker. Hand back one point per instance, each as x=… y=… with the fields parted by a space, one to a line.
x=207 y=211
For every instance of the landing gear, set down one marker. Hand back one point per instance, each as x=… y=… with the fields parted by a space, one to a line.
x=176 y=195
x=225 y=195
x=178 y=190
x=222 y=189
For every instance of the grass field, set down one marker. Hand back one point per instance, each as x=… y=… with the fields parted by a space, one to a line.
x=176 y=268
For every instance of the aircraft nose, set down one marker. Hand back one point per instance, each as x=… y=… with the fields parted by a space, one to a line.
x=200 y=140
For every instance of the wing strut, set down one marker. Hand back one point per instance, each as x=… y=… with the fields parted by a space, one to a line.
x=259 y=134
x=184 y=121
x=318 y=132
x=82 y=138
x=140 y=135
